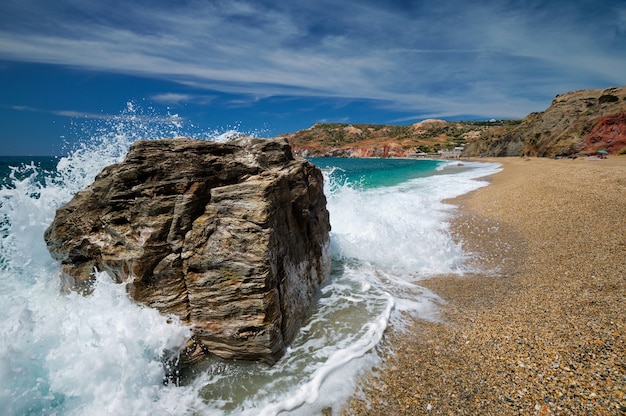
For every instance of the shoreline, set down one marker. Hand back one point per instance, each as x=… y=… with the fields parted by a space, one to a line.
x=541 y=329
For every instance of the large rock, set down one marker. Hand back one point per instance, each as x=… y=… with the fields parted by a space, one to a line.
x=233 y=238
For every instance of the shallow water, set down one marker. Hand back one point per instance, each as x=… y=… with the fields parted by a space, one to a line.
x=102 y=354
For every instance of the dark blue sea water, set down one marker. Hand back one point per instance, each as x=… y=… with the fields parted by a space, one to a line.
x=68 y=354
x=39 y=164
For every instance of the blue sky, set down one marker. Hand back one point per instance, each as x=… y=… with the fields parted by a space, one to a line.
x=268 y=67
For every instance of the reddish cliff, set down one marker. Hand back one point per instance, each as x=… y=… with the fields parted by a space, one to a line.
x=576 y=123
x=608 y=134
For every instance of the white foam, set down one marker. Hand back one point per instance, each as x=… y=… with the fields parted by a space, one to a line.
x=97 y=355
x=68 y=354
x=404 y=227
x=309 y=391
x=102 y=354
x=227 y=136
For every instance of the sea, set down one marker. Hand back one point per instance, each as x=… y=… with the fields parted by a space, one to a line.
x=101 y=354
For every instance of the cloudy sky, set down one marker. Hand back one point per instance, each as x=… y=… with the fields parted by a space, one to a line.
x=269 y=67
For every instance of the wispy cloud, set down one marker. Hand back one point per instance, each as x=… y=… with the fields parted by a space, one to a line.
x=176 y=99
x=444 y=56
x=63 y=113
x=171 y=98
x=127 y=115
x=80 y=114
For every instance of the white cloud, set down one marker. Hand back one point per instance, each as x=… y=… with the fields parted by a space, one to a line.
x=172 y=98
x=444 y=55
x=80 y=114
x=129 y=115
x=63 y=113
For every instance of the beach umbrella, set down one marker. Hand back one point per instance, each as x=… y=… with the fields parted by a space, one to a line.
x=603 y=152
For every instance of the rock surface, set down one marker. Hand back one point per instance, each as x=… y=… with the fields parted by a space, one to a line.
x=609 y=134
x=566 y=128
x=233 y=238
x=577 y=123
x=374 y=140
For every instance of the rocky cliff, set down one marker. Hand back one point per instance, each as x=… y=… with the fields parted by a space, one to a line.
x=233 y=238
x=576 y=123
x=374 y=140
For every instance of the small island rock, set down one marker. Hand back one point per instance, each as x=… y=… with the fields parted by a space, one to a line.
x=233 y=238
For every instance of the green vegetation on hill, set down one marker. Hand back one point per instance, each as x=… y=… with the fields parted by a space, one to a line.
x=428 y=136
x=578 y=122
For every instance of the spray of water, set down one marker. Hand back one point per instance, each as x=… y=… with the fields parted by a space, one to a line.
x=65 y=353
x=102 y=354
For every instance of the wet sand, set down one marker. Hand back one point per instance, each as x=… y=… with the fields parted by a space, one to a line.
x=541 y=329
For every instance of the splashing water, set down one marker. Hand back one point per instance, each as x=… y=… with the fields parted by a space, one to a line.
x=103 y=354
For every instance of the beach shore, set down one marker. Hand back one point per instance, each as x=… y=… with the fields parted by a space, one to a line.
x=541 y=328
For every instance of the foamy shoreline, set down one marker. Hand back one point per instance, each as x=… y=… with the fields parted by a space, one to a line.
x=542 y=331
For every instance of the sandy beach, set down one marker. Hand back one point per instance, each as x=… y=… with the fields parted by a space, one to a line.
x=541 y=328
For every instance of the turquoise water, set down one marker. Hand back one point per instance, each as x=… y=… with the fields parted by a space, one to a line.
x=372 y=173
x=67 y=354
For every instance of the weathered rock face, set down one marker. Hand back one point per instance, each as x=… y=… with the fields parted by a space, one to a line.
x=609 y=134
x=233 y=238
x=576 y=123
x=374 y=140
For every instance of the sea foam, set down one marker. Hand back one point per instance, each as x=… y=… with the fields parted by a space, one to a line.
x=101 y=354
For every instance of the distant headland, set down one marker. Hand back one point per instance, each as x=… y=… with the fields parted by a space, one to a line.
x=577 y=123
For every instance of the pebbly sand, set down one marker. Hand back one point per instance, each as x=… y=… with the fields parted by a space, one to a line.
x=542 y=328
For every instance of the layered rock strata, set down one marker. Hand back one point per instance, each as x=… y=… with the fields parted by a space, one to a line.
x=577 y=123
x=233 y=238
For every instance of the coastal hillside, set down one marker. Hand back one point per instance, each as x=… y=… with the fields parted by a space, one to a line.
x=576 y=123
x=374 y=140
